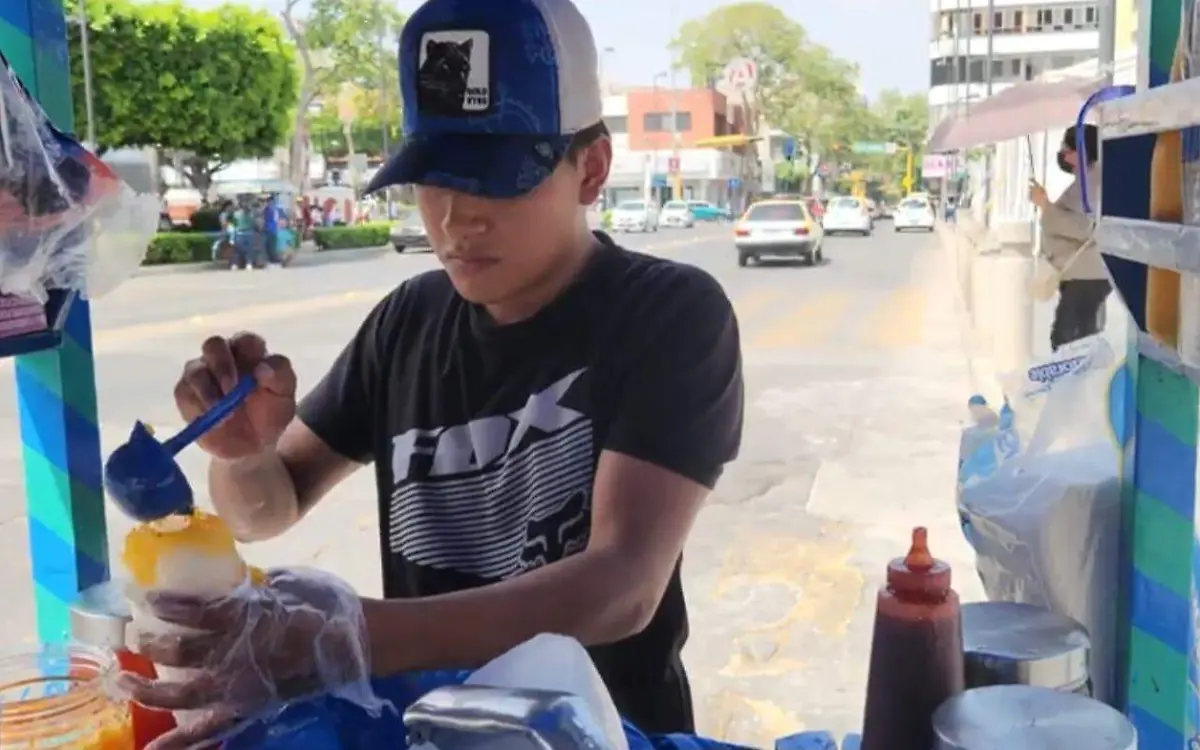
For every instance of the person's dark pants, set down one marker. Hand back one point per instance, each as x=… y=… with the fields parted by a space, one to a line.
x=269 y=245
x=243 y=249
x=1080 y=311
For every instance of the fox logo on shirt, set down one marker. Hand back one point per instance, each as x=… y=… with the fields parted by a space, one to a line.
x=446 y=451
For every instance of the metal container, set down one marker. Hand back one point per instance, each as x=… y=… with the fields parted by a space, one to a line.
x=1019 y=644
x=1008 y=717
x=99 y=618
x=474 y=717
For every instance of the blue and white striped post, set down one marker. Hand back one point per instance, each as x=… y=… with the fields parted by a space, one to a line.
x=56 y=389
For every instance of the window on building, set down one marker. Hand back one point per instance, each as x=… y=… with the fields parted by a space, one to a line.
x=976 y=71
x=977 y=22
x=998 y=20
x=997 y=69
x=1068 y=16
x=1018 y=21
x=617 y=124
x=1058 y=62
x=1090 y=16
x=660 y=122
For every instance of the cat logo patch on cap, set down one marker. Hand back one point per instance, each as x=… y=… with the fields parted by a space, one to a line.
x=453 y=79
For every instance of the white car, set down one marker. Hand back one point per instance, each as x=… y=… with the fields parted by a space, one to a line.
x=635 y=216
x=778 y=230
x=913 y=213
x=676 y=214
x=849 y=216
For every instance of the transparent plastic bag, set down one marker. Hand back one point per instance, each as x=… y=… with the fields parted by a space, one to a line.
x=67 y=221
x=253 y=652
x=1045 y=524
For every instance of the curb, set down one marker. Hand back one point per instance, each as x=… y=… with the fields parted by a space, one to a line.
x=302 y=259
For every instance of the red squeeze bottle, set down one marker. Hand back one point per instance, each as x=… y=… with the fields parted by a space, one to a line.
x=148 y=724
x=916 y=651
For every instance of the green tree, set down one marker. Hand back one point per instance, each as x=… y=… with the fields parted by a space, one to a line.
x=212 y=86
x=897 y=118
x=343 y=42
x=802 y=88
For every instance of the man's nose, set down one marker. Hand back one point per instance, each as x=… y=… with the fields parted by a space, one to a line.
x=462 y=218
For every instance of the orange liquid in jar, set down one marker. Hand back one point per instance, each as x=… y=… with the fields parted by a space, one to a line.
x=57 y=698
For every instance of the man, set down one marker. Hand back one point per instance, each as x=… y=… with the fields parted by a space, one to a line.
x=1066 y=244
x=545 y=415
x=270 y=220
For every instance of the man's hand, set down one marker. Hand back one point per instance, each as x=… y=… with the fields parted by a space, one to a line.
x=299 y=634
x=258 y=424
x=1038 y=196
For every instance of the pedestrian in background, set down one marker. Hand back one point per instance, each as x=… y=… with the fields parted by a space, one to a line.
x=1083 y=284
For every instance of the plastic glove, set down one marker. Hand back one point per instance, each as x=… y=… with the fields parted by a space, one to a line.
x=299 y=634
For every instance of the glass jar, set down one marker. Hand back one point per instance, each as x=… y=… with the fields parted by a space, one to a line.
x=60 y=698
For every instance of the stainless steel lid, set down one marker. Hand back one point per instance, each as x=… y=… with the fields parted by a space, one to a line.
x=1019 y=644
x=1006 y=717
x=100 y=615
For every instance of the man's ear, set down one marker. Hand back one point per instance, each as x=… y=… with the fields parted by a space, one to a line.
x=594 y=163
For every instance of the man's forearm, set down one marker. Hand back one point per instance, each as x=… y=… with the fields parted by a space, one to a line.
x=589 y=596
x=255 y=496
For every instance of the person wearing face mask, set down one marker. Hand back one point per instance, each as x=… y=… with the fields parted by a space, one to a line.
x=1066 y=244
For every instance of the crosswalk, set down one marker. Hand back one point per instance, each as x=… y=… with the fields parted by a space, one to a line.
x=773 y=319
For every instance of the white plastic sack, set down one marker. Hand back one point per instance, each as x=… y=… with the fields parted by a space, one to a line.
x=558 y=663
x=1045 y=525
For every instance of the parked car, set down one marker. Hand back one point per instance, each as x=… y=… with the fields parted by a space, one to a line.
x=913 y=213
x=776 y=229
x=635 y=216
x=676 y=214
x=848 y=215
x=705 y=211
x=408 y=232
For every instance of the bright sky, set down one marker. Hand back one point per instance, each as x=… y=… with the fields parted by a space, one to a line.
x=889 y=39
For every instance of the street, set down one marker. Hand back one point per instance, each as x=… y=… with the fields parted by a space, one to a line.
x=856 y=388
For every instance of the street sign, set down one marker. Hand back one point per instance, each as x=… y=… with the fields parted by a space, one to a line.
x=740 y=75
x=789 y=148
x=873 y=148
x=734 y=183
x=673 y=165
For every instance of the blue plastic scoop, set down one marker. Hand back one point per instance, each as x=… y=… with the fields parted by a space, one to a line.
x=142 y=476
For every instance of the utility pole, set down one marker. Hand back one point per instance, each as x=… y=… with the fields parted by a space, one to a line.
x=677 y=173
x=85 y=49
x=1108 y=38
x=382 y=97
x=989 y=78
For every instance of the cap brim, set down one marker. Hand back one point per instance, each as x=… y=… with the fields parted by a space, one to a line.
x=487 y=165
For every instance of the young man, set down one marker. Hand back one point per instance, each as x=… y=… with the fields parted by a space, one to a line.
x=545 y=416
x=1066 y=243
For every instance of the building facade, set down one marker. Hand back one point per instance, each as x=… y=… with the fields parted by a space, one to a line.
x=1027 y=40
x=653 y=127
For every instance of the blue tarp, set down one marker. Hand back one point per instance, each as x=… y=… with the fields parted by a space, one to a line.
x=332 y=724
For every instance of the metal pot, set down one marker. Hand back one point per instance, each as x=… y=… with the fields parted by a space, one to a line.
x=101 y=615
x=1019 y=644
x=1007 y=717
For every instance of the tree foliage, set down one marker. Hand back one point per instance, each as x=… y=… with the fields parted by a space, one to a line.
x=213 y=85
x=340 y=43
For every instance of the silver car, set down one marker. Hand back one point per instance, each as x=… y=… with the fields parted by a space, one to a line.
x=408 y=232
x=781 y=230
x=635 y=216
x=849 y=216
x=676 y=214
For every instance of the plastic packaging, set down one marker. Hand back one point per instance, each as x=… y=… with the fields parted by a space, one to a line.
x=1045 y=524
x=59 y=697
x=297 y=634
x=916 y=651
x=558 y=663
x=67 y=221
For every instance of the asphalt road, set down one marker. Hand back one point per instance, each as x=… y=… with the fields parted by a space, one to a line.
x=855 y=389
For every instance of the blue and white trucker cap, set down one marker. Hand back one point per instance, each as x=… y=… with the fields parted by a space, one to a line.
x=493 y=91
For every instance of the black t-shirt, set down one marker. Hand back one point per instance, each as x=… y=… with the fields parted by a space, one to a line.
x=485 y=437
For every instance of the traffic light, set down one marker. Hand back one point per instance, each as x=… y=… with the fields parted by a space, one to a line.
x=908 y=184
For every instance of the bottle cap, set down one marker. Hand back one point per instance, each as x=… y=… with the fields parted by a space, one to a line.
x=919 y=572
